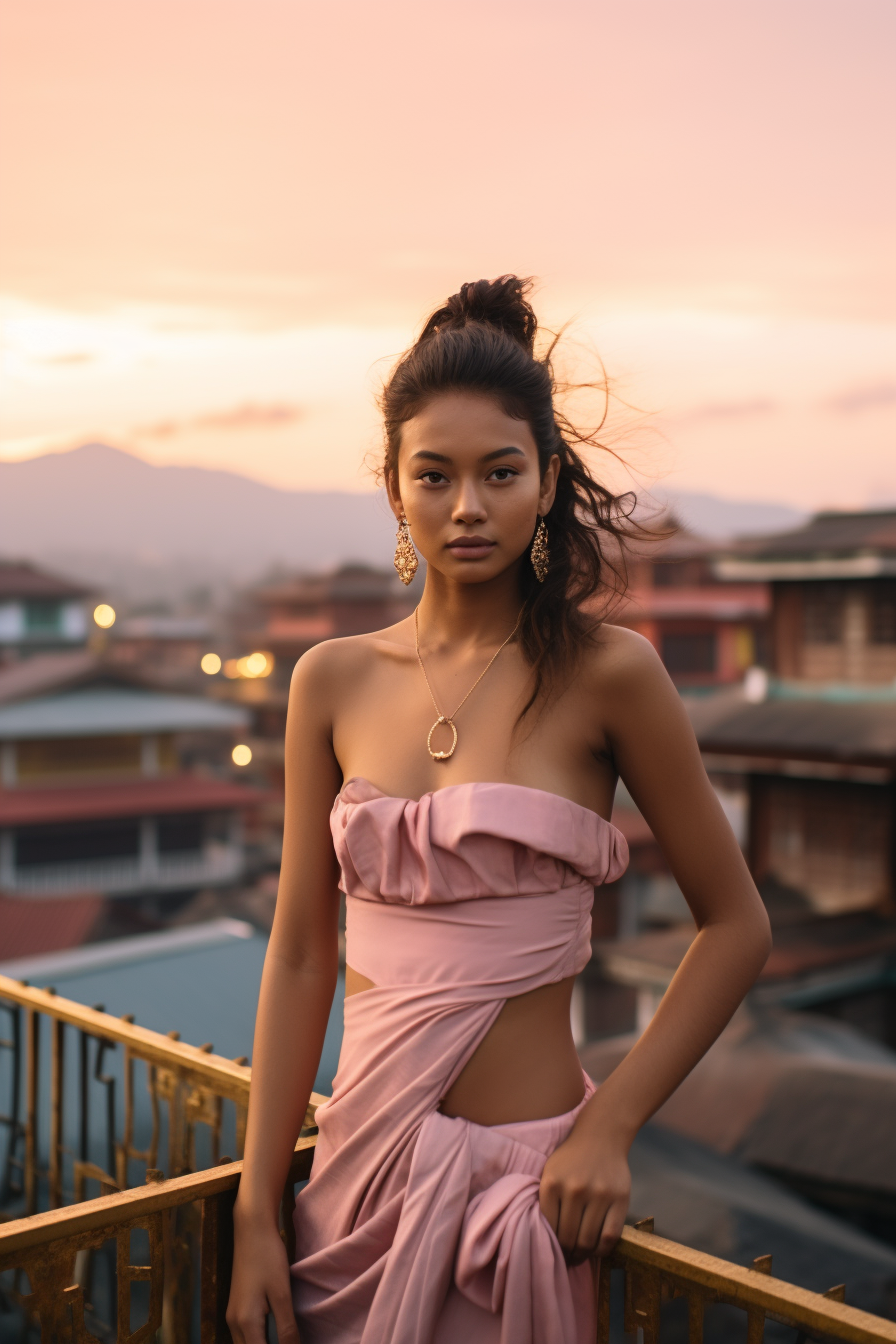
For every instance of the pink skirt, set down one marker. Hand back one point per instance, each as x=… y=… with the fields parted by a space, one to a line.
x=466 y=1253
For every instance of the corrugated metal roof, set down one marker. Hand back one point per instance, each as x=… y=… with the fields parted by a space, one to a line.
x=722 y=1206
x=829 y=533
x=793 y=1091
x=129 y=798
x=103 y=711
x=816 y=729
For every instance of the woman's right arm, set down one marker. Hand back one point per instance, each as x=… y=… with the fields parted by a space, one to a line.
x=297 y=987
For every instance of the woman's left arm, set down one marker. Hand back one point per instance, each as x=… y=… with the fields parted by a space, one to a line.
x=585 y=1185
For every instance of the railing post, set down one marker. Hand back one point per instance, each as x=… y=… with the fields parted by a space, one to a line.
x=32 y=1035
x=57 y=1081
x=215 y=1261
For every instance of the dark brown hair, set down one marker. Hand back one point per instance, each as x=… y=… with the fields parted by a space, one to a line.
x=482 y=339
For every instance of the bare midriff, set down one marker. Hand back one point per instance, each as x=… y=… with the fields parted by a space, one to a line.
x=525 y=1067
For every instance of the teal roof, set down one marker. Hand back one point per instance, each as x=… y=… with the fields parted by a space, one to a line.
x=106 y=710
x=201 y=980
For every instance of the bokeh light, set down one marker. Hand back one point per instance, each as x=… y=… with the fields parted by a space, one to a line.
x=210 y=664
x=241 y=754
x=231 y=668
x=254 y=665
x=104 y=615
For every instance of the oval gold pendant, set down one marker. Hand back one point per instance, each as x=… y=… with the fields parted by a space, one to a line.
x=441 y=755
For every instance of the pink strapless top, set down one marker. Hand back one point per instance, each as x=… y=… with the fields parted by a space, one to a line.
x=466 y=841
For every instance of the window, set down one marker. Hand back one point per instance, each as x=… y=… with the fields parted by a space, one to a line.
x=680 y=573
x=882 y=622
x=823 y=613
x=43 y=617
x=81 y=842
x=46 y=757
x=828 y=841
x=180 y=835
x=689 y=653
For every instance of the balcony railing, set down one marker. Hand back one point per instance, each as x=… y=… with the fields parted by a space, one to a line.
x=123 y=876
x=152 y=1261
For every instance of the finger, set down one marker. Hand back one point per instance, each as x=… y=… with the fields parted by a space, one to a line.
x=590 y=1227
x=549 y=1202
x=572 y=1206
x=612 y=1228
x=248 y=1330
x=285 y=1319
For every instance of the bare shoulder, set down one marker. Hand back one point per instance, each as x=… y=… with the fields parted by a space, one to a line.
x=627 y=691
x=621 y=659
x=335 y=663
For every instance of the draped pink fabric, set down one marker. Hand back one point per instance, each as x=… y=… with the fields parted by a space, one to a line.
x=418 y=1228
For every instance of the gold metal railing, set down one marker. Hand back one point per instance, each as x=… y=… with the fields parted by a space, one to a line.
x=182 y=1224
x=57 y=1146
x=656 y=1271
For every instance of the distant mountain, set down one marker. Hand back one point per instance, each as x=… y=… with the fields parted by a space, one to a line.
x=711 y=516
x=97 y=506
x=155 y=531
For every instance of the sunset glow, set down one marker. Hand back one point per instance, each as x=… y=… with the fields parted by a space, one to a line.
x=217 y=233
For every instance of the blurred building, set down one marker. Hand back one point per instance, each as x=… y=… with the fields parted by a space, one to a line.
x=818 y=766
x=39 y=611
x=167 y=648
x=833 y=595
x=110 y=786
x=803 y=755
x=290 y=616
x=270 y=629
x=707 y=630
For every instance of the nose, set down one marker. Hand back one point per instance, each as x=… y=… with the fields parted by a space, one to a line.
x=468 y=504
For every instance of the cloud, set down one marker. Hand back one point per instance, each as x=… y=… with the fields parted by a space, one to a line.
x=725 y=410
x=872 y=398
x=250 y=415
x=74 y=357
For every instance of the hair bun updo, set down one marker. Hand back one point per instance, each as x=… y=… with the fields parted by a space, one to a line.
x=497 y=303
x=482 y=341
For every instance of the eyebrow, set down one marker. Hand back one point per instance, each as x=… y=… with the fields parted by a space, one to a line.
x=487 y=457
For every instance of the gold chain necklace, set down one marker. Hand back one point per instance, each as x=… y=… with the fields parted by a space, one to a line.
x=448 y=719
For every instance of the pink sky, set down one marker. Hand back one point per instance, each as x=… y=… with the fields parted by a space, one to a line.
x=219 y=215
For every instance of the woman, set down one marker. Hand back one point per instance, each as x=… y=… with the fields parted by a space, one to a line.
x=466 y=1166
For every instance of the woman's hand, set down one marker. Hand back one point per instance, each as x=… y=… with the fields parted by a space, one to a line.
x=584 y=1193
x=260 y=1284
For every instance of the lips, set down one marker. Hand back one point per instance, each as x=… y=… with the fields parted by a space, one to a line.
x=471 y=548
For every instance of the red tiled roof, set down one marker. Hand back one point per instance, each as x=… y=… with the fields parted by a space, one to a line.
x=45 y=672
x=18 y=578
x=45 y=924
x=185 y=793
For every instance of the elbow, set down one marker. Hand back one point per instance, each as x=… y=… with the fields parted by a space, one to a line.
x=761 y=934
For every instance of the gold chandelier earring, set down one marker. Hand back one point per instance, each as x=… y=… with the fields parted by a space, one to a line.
x=539 y=554
x=405 y=556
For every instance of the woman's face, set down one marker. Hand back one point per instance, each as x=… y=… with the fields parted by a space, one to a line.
x=469 y=485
